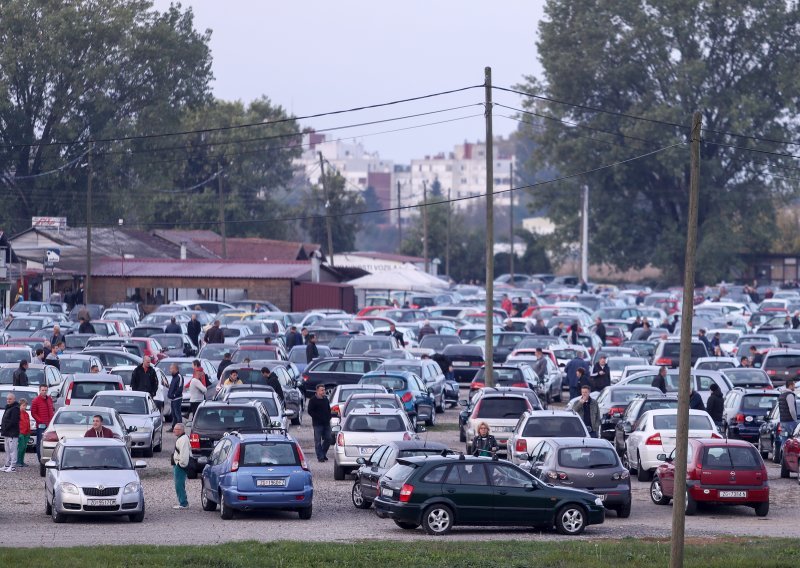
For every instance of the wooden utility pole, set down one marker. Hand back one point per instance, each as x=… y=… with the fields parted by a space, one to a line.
x=511 y=221
x=328 y=227
x=222 y=230
x=399 y=219
x=447 y=238
x=425 y=224
x=682 y=434
x=87 y=284
x=585 y=235
x=489 y=337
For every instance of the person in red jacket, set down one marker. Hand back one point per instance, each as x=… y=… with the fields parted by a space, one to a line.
x=98 y=430
x=42 y=410
x=24 y=432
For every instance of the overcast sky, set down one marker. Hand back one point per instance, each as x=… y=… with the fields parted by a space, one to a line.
x=318 y=56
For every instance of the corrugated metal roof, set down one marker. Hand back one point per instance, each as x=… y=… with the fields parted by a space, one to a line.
x=199 y=268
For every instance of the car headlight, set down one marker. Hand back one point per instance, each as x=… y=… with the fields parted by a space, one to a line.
x=69 y=488
x=132 y=487
x=598 y=502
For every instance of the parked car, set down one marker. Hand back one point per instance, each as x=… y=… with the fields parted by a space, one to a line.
x=727 y=472
x=745 y=411
x=297 y=355
x=701 y=381
x=418 y=400
x=501 y=411
x=771 y=435
x=668 y=352
x=15 y=354
x=342 y=394
x=715 y=363
x=138 y=411
x=71 y=363
x=504 y=343
x=93 y=476
x=176 y=344
x=748 y=377
x=112 y=357
x=256 y=471
x=441 y=492
x=519 y=375
x=635 y=409
x=79 y=389
x=362 y=344
x=279 y=416
x=38 y=374
x=537 y=425
x=466 y=360
x=781 y=364
x=790 y=454
x=426 y=369
x=614 y=400
x=337 y=371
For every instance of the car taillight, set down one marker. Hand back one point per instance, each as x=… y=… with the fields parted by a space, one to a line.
x=236 y=455
x=616 y=410
x=406 y=436
x=476 y=364
x=69 y=394
x=560 y=475
x=305 y=378
x=301 y=455
x=521 y=446
x=740 y=418
x=520 y=385
x=621 y=475
x=771 y=372
x=715 y=435
x=778 y=430
x=405 y=493
x=335 y=409
x=50 y=436
x=654 y=440
x=340 y=439
x=664 y=361
x=475 y=385
x=407 y=397
x=194 y=441
x=121 y=386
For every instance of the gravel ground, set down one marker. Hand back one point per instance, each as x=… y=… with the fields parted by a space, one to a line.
x=335 y=518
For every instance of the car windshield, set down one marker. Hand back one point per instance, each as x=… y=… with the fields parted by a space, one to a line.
x=69 y=366
x=670 y=422
x=262 y=354
x=257 y=454
x=220 y=418
x=170 y=341
x=87 y=389
x=747 y=377
x=497 y=407
x=18 y=394
x=14 y=355
x=214 y=351
x=506 y=375
x=587 y=458
x=123 y=404
x=624 y=395
x=95 y=457
x=35 y=376
x=389 y=383
x=374 y=423
x=760 y=402
x=21 y=324
x=81 y=418
x=400 y=472
x=782 y=361
x=554 y=427
x=731 y=457
x=566 y=353
x=338 y=342
x=358 y=347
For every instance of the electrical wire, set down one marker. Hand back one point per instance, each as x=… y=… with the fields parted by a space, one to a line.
x=746 y=149
x=12 y=178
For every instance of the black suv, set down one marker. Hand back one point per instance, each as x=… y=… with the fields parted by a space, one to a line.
x=335 y=371
x=781 y=364
x=439 y=492
x=214 y=419
x=635 y=409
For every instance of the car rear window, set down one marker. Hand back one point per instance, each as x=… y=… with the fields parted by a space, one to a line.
x=731 y=457
x=400 y=472
x=123 y=404
x=495 y=407
x=371 y=403
x=374 y=423
x=81 y=418
x=89 y=389
x=659 y=405
x=263 y=354
x=782 y=361
x=69 y=366
x=358 y=347
x=587 y=458
x=390 y=383
x=554 y=427
x=763 y=402
x=674 y=350
x=670 y=422
x=256 y=454
x=35 y=376
x=14 y=355
x=226 y=419
x=715 y=365
x=747 y=377
x=625 y=395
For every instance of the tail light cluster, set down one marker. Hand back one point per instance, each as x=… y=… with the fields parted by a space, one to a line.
x=715 y=435
x=407 y=397
x=194 y=441
x=475 y=385
x=616 y=410
x=664 y=361
x=405 y=493
x=406 y=436
x=621 y=475
x=301 y=455
x=476 y=364
x=520 y=385
x=340 y=439
x=771 y=372
x=654 y=440
x=335 y=409
x=236 y=455
x=559 y=475
x=68 y=400
x=521 y=446
x=51 y=436
x=305 y=377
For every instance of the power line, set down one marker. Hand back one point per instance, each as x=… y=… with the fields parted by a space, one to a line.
x=751 y=149
x=543 y=127
x=12 y=178
x=247 y=125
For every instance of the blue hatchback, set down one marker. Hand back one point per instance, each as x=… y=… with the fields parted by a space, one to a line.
x=246 y=472
x=417 y=399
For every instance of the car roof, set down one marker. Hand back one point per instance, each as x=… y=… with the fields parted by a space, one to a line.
x=717 y=442
x=417 y=445
x=373 y=411
x=226 y=404
x=673 y=411
x=137 y=394
x=580 y=442
x=95 y=377
x=77 y=442
x=551 y=412
x=743 y=390
x=265 y=437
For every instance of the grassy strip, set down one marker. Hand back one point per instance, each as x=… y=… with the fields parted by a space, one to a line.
x=710 y=553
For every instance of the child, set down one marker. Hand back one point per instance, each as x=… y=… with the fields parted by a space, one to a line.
x=24 y=432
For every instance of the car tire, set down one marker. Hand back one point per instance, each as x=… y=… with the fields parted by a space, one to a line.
x=137 y=517
x=559 y=396
x=571 y=520
x=432 y=420
x=358 y=497
x=762 y=509
x=48 y=510
x=57 y=517
x=626 y=463
x=298 y=419
x=148 y=451
x=776 y=452
x=785 y=471
x=462 y=436
x=406 y=526
x=691 y=505
x=657 y=493
x=641 y=473
x=42 y=470
x=205 y=502
x=437 y=519
x=225 y=512
x=624 y=511
x=338 y=473
x=305 y=513
x=157 y=447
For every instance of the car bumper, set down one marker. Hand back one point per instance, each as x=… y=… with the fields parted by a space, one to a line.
x=595 y=515
x=710 y=493
x=403 y=512
x=141 y=440
x=83 y=505
x=342 y=459
x=748 y=433
x=268 y=500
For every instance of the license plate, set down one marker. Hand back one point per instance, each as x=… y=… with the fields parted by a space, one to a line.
x=102 y=502
x=366 y=451
x=460 y=364
x=270 y=482
x=386 y=492
x=733 y=494
x=601 y=497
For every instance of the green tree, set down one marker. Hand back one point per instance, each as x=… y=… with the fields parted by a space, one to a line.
x=339 y=204
x=733 y=61
x=372 y=203
x=76 y=71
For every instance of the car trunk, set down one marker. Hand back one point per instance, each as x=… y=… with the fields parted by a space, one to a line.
x=261 y=479
x=668 y=437
x=364 y=443
x=734 y=465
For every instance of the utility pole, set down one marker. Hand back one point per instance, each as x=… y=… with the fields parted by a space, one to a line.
x=682 y=434
x=87 y=285
x=489 y=337
x=511 y=221
x=328 y=227
x=399 y=219
x=585 y=235
x=222 y=230
x=447 y=241
x=425 y=224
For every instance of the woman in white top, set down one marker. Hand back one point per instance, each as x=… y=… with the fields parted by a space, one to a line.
x=197 y=392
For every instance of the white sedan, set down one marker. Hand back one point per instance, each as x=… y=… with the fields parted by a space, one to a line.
x=655 y=434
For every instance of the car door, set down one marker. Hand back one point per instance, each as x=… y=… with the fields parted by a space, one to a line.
x=632 y=444
x=125 y=434
x=467 y=486
x=516 y=499
x=667 y=473
x=370 y=474
x=537 y=464
x=619 y=428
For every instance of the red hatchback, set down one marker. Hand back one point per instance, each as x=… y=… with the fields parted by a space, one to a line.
x=729 y=472
x=790 y=462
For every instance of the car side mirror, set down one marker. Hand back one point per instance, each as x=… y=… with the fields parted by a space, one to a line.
x=531 y=487
x=289 y=413
x=50 y=464
x=462 y=402
x=131 y=429
x=524 y=456
x=627 y=428
x=361 y=461
x=140 y=464
x=336 y=429
x=420 y=429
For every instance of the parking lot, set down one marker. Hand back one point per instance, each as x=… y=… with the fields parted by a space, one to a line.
x=335 y=518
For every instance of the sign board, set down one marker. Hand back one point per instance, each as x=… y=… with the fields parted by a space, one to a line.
x=49 y=222
x=51 y=257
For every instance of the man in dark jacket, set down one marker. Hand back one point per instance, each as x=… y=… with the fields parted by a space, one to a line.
x=193 y=329
x=601 y=375
x=311 y=349
x=426 y=329
x=660 y=382
x=226 y=361
x=172 y=326
x=9 y=429
x=319 y=409
x=540 y=328
x=57 y=336
x=214 y=334
x=175 y=395
x=600 y=330
x=293 y=338
x=144 y=378
x=20 y=376
x=272 y=381
x=696 y=401
x=85 y=326
x=397 y=335
x=571 y=371
x=715 y=404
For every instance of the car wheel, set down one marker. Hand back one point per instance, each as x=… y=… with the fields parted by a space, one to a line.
x=432 y=420
x=571 y=520
x=624 y=511
x=338 y=473
x=776 y=452
x=137 y=517
x=48 y=510
x=406 y=526
x=148 y=451
x=205 y=502
x=657 y=493
x=558 y=396
x=57 y=517
x=641 y=473
x=157 y=447
x=358 y=497
x=224 y=510
x=462 y=436
x=691 y=505
x=626 y=463
x=42 y=470
x=437 y=519
x=784 y=469
x=305 y=513
x=764 y=453
x=762 y=509
x=298 y=418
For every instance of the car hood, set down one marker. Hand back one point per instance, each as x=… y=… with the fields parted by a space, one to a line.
x=137 y=420
x=95 y=477
x=69 y=431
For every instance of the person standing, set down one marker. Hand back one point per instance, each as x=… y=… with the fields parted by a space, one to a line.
x=293 y=338
x=9 y=429
x=214 y=334
x=180 y=463
x=272 y=381
x=86 y=326
x=43 y=411
x=397 y=335
x=57 y=336
x=507 y=305
x=175 y=395
x=696 y=401
x=701 y=335
x=319 y=409
x=660 y=381
x=571 y=371
x=484 y=443
x=573 y=332
x=600 y=330
x=787 y=408
x=20 y=376
x=226 y=362
x=24 y=432
x=52 y=357
x=715 y=405
x=540 y=328
x=304 y=334
x=796 y=320
x=311 y=349
x=197 y=393
x=756 y=358
x=540 y=365
x=172 y=326
x=601 y=374
x=193 y=329
x=144 y=378
x=426 y=329
x=587 y=408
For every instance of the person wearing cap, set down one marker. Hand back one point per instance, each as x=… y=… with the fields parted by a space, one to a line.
x=311 y=348
x=226 y=360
